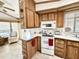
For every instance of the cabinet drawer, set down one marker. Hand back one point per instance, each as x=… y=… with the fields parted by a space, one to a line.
x=60 y=45
x=60 y=41
x=73 y=43
x=59 y=49
x=76 y=44
x=70 y=43
x=59 y=54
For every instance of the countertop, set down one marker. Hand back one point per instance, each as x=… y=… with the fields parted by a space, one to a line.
x=30 y=38
x=55 y=36
x=66 y=37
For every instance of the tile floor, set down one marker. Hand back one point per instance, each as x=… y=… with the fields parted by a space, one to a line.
x=14 y=51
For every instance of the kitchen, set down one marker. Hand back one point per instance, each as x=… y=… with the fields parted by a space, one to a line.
x=46 y=29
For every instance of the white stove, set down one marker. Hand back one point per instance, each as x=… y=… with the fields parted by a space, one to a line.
x=47 y=39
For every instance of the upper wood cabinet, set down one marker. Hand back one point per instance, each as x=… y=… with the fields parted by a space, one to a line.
x=29 y=4
x=44 y=17
x=60 y=19
x=37 y=20
x=47 y=16
x=58 y=16
x=29 y=13
x=51 y=16
x=30 y=19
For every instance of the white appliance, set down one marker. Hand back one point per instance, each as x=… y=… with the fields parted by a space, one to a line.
x=47 y=39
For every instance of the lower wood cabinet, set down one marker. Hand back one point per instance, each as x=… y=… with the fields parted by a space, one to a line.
x=29 y=48
x=39 y=44
x=66 y=49
x=60 y=47
x=72 y=50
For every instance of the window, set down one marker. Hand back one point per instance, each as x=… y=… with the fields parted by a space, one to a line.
x=71 y=20
x=4 y=29
x=8 y=29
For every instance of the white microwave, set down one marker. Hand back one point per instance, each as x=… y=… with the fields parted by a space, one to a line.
x=48 y=24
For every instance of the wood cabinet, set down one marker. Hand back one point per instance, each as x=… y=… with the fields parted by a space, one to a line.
x=44 y=17
x=47 y=16
x=68 y=49
x=37 y=20
x=30 y=19
x=51 y=16
x=39 y=44
x=60 y=46
x=58 y=16
x=72 y=50
x=60 y=19
x=29 y=4
x=30 y=16
x=29 y=48
x=3 y=40
x=26 y=49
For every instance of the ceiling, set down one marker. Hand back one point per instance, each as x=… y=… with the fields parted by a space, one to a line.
x=44 y=1
x=10 y=4
x=4 y=16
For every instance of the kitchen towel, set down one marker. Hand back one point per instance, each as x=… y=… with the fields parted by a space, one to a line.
x=50 y=42
x=33 y=42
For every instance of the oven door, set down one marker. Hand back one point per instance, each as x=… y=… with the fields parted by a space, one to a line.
x=46 y=44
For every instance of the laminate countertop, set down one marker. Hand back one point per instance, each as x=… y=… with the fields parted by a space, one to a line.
x=67 y=37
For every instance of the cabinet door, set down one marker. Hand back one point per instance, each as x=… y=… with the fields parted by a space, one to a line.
x=29 y=50
x=39 y=44
x=51 y=16
x=60 y=19
x=72 y=52
x=37 y=20
x=30 y=19
x=44 y=17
